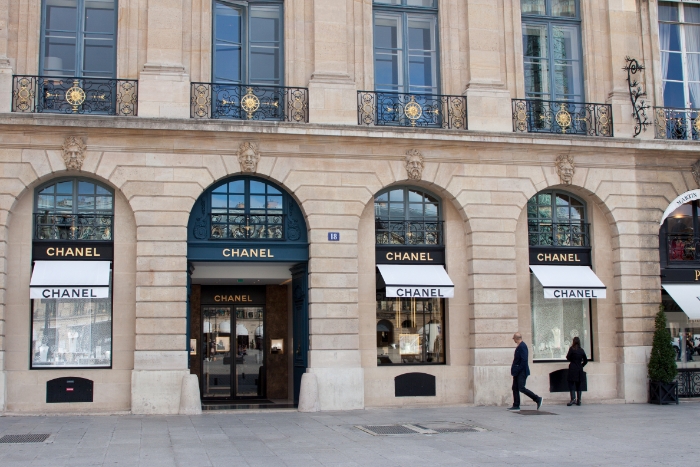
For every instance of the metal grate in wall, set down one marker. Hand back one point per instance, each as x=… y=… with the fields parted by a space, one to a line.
x=29 y=438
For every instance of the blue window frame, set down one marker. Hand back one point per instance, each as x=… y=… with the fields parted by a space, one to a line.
x=406 y=58
x=679 y=43
x=78 y=38
x=552 y=50
x=248 y=42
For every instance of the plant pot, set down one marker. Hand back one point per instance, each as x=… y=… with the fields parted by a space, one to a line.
x=663 y=393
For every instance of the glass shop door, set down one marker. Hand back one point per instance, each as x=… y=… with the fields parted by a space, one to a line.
x=216 y=353
x=250 y=357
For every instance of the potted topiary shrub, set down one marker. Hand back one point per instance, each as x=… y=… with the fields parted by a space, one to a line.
x=663 y=389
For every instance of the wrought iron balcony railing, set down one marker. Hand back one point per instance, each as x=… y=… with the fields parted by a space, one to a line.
x=102 y=96
x=247 y=226
x=400 y=232
x=682 y=247
x=544 y=232
x=94 y=226
x=677 y=123
x=538 y=116
x=249 y=102
x=423 y=110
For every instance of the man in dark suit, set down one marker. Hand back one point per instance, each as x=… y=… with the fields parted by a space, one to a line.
x=520 y=370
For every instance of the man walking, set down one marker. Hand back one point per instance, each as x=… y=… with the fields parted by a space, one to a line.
x=520 y=370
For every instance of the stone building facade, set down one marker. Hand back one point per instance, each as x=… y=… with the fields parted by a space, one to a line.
x=159 y=163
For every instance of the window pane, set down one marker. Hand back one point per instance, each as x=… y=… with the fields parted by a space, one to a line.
x=265 y=24
x=565 y=42
x=103 y=203
x=693 y=66
x=274 y=202
x=431 y=210
x=227 y=23
x=415 y=211
x=72 y=333
x=532 y=7
x=227 y=63
x=537 y=77
x=396 y=210
x=387 y=32
x=422 y=71
x=86 y=188
x=236 y=187
x=544 y=198
x=257 y=202
x=86 y=203
x=45 y=202
x=257 y=187
x=421 y=34
x=535 y=40
x=396 y=195
x=555 y=322
x=387 y=71
x=388 y=2
x=674 y=71
x=565 y=8
x=99 y=16
x=59 y=55
x=218 y=201
x=691 y=13
x=61 y=15
x=692 y=38
x=674 y=95
x=264 y=63
x=64 y=187
x=425 y=3
x=64 y=203
x=99 y=57
x=668 y=11
x=236 y=202
x=562 y=200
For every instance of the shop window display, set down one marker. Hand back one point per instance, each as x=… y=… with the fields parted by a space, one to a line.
x=72 y=333
x=410 y=330
x=555 y=323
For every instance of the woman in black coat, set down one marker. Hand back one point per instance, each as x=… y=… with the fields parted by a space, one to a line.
x=577 y=358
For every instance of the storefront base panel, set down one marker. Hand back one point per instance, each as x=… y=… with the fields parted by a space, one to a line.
x=492 y=385
x=340 y=388
x=601 y=379
x=26 y=391
x=634 y=374
x=157 y=392
x=451 y=385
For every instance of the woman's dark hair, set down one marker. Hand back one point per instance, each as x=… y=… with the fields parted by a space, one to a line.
x=576 y=344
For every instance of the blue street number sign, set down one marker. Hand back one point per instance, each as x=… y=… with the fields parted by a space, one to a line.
x=333 y=236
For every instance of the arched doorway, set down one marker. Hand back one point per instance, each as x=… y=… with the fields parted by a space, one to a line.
x=247 y=253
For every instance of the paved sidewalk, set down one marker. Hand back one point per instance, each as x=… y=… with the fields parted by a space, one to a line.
x=590 y=435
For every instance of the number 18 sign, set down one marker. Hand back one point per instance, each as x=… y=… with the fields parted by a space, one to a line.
x=333 y=236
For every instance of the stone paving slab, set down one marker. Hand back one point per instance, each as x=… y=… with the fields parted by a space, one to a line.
x=590 y=435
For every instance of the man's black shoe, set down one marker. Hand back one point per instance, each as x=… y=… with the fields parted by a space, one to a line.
x=539 y=403
x=513 y=408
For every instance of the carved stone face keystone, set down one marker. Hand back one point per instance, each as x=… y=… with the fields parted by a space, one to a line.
x=695 y=169
x=248 y=156
x=565 y=168
x=74 y=152
x=414 y=164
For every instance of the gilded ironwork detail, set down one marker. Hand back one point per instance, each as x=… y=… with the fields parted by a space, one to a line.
x=545 y=232
x=73 y=226
x=678 y=124
x=44 y=94
x=538 y=116
x=246 y=102
x=400 y=109
x=388 y=232
x=242 y=226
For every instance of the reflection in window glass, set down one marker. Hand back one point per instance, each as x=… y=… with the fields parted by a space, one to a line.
x=555 y=322
x=407 y=216
x=410 y=330
x=72 y=333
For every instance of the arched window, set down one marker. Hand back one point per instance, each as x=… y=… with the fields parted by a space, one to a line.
x=247 y=209
x=408 y=216
x=558 y=219
x=74 y=209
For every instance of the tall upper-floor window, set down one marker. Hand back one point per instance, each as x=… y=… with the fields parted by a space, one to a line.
x=248 y=42
x=557 y=218
x=406 y=46
x=74 y=209
x=552 y=50
x=679 y=43
x=78 y=38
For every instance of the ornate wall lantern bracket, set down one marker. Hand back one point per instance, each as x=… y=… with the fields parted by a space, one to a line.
x=639 y=106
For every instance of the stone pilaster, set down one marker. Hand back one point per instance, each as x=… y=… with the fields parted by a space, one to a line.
x=5 y=64
x=164 y=84
x=488 y=99
x=332 y=89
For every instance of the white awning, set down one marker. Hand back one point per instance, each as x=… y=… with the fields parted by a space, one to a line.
x=416 y=281
x=687 y=296
x=70 y=279
x=569 y=282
